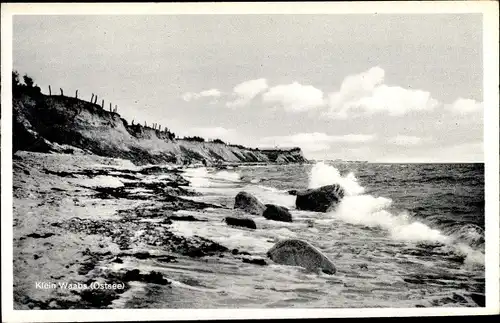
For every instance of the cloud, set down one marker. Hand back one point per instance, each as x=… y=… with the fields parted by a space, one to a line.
x=210 y=132
x=315 y=141
x=246 y=91
x=365 y=93
x=465 y=106
x=402 y=140
x=189 y=96
x=295 y=97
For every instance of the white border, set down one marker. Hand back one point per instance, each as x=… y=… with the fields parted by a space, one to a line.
x=491 y=144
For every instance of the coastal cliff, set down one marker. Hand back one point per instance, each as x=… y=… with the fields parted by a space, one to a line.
x=57 y=123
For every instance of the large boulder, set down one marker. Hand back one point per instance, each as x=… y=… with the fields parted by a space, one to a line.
x=277 y=213
x=240 y=222
x=248 y=203
x=321 y=199
x=300 y=253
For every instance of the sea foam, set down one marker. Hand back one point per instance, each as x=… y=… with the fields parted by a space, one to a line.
x=322 y=174
x=364 y=209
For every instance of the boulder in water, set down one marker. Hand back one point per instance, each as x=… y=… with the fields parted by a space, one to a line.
x=300 y=253
x=248 y=203
x=321 y=199
x=277 y=213
x=240 y=222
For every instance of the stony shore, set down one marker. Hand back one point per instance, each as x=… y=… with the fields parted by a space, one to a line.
x=77 y=218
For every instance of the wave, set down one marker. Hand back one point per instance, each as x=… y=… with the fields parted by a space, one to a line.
x=201 y=177
x=322 y=174
x=364 y=209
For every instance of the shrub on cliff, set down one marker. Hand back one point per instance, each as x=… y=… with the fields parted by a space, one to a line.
x=194 y=138
x=218 y=141
x=28 y=86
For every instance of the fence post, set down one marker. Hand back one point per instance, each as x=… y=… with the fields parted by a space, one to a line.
x=95 y=99
x=50 y=91
x=62 y=93
x=76 y=94
x=92 y=98
x=102 y=105
x=116 y=108
x=110 y=107
x=132 y=121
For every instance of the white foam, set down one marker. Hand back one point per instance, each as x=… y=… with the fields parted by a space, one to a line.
x=322 y=174
x=201 y=177
x=233 y=238
x=372 y=211
x=100 y=181
x=270 y=195
x=228 y=176
x=197 y=177
x=362 y=209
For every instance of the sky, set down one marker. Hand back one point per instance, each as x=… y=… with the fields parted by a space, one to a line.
x=381 y=87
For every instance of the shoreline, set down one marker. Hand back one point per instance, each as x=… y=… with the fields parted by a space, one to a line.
x=96 y=242
x=85 y=220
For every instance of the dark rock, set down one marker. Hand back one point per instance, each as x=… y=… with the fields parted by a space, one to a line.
x=478 y=298
x=300 y=253
x=97 y=298
x=88 y=264
x=61 y=174
x=155 y=278
x=321 y=199
x=255 y=261
x=292 y=192
x=249 y=203
x=167 y=259
x=142 y=255
x=185 y=218
x=117 y=260
x=132 y=275
x=36 y=257
x=277 y=213
x=235 y=251
x=38 y=236
x=241 y=222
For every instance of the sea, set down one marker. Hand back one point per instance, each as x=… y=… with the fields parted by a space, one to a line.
x=404 y=235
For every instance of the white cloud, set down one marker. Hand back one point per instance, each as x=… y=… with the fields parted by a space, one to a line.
x=295 y=97
x=465 y=106
x=315 y=141
x=211 y=92
x=402 y=140
x=210 y=132
x=189 y=96
x=365 y=93
x=246 y=91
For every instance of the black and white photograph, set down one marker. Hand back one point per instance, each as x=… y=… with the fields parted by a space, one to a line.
x=223 y=158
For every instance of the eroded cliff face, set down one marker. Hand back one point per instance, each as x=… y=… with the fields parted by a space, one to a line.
x=49 y=123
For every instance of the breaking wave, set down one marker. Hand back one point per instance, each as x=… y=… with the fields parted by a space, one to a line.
x=377 y=212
